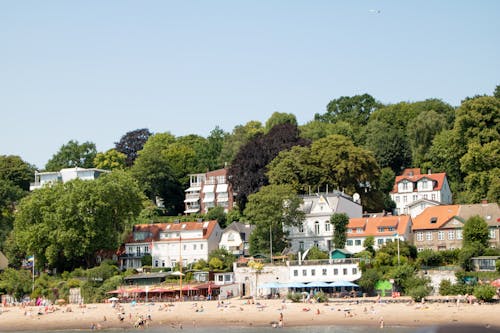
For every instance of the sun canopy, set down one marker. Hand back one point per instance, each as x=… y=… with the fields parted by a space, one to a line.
x=318 y=284
x=343 y=284
x=272 y=285
x=295 y=285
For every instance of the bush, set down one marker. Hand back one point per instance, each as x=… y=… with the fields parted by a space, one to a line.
x=294 y=297
x=484 y=292
x=445 y=288
x=429 y=257
x=321 y=297
x=418 y=292
x=74 y=283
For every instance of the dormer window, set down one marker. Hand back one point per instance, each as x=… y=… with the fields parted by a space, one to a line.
x=434 y=219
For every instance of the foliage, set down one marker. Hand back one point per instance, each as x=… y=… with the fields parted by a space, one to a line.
x=14 y=170
x=484 y=292
x=339 y=222
x=418 y=292
x=65 y=224
x=294 y=297
x=217 y=213
x=224 y=262
x=475 y=231
x=247 y=173
x=256 y=265
x=110 y=160
x=240 y=136
x=215 y=264
x=315 y=130
x=201 y=265
x=16 y=282
x=73 y=155
x=467 y=252
x=316 y=254
x=279 y=118
x=271 y=209
x=369 y=279
x=368 y=244
x=234 y=215
x=321 y=297
x=429 y=257
x=131 y=143
x=147 y=260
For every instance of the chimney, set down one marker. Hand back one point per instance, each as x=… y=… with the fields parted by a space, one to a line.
x=484 y=201
x=429 y=171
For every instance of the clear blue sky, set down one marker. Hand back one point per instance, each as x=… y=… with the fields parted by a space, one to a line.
x=94 y=70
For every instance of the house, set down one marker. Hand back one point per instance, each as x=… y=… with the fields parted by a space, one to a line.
x=316 y=230
x=485 y=263
x=417 y=207
x=186 y=241
x=438 y=228
x=65 y=175
x=412 y=186
x=207 y=190
x=490 y=212
x=383 y=228
x=138 y=244
x=235 y=238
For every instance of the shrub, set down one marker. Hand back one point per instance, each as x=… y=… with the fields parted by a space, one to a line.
x=321 y=297
x=294 y=297
x=418 y=292
x=445 y=288
x=430 y=258
x=484 y=292
x=73 y=283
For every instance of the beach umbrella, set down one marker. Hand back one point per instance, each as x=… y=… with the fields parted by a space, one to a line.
x=318 y=284
x=159 y=290
x=295 y=285
x=271 y=285
x=343 y=284
x=61 y=301
x=113 y=299
x=177 y=273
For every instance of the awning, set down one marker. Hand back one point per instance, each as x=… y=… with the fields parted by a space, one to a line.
x=208 y=188
x=221 y=188
x=222 y=199
x=191 y=199
x=191 y=210
x=343 y=284
x=209 y=197
x=193 y=189
x=318 y=284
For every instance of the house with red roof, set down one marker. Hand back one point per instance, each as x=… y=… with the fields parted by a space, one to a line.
x=430 y=189
x=170 y=243
x=384 y=229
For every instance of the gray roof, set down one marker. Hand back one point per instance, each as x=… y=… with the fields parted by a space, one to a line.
x=490 y=212
x=241 y=228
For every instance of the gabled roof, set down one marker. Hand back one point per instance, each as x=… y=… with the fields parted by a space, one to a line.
x=372 y=225
x=435 y=217
x=414 y=175
x=490 y=212
x=419 y=201
x=242 y=228
x=156 y=228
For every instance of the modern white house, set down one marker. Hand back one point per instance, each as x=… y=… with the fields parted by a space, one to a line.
x=383 y=228
x=316 y=230
x=169 y=243
x=235 y=238
x=412 y=186
x=65 y=175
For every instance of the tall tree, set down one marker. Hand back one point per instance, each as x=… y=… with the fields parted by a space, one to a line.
x=73 y=155
x=65 y=224
x=131 y=143
x=475 y=232
x=240 y=136
x=17 y=171
x=247 y=173
x=315 y=130
x=279 y=118
x=339 y=222
x=270 y=209
x=110 y=160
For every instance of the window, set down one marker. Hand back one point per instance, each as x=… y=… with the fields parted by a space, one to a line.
x=440 y=235
x=380 y=229
x=415 y=197
x=146 y=249
x=391 y=228
x=425 y=196
x=324 y=271
x=316 y=228
x=493 y=233
x=349 y=230
x=357 y=242
x=380 y=241
x=359 y=230
x=420 y=249
x=220 y=278
x=301 y=246
x=328 y=226
x=420 y=236
x=405 y=199
x=304 y=272
x=201 y=246
x=335 y=271
x=138 y=250
x=295 y=272
x=405 y=186
x=433 y=196
x=230 y=237
x=354 y=271
x=156 y=263
x=301 y=228
x=451 y=235
x=397 y=198
x=388 y=240
x=184 y=247
x=424 y=184
x=194 y=246
x=313 y=272
x=459 y=234
x=163 y=263
x=428 y=235
x=344 y=271
x=348 y=242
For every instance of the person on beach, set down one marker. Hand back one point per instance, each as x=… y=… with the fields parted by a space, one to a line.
x=280 y=323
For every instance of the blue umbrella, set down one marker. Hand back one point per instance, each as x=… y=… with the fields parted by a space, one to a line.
x=318 y=284
x=343 y=284
x=271 y=285
x=295 y=285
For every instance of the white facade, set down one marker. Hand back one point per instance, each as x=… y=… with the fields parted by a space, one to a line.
x=65 y=175
x=235 y=238
x=316 y=229
x=417 y=207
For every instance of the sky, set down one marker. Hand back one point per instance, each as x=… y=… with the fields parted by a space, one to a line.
x=95 y=70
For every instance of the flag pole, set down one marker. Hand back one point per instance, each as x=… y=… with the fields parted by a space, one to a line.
x=33 y=275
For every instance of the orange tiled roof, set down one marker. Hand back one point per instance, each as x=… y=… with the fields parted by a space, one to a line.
x=439 y=215
x=156 y=228
x=372 y=225
x=414 y=175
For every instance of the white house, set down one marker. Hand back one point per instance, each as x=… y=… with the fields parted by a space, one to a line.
x=417 y=207
x=186 y=241
x=412 y=186
x=235 y=238
x=316 y=230
x=383 y=228
x=65 y=175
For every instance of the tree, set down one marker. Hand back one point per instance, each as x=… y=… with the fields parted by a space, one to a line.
x=315 y=130
x=16 y=171
x=221 y=259
x=339 y=222
x=368 y=244
x=475 y=231
x=73 y=155
x=110 y=160
x=477 y=119
x=240 y=136
x=65 y=224
x=131 y=143
x=271 y=209
x=217 y=213
x=355 y=110
x=316 y=254
x=16 y=282
x=248 y=171
x=278 y=118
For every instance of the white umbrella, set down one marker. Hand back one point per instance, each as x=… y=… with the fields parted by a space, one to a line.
x=113 y=299
x=177 y=273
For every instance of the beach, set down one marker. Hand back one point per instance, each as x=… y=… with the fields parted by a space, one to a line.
x=242 y=313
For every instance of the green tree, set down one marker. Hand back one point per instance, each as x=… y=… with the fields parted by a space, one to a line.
x=339 y=222
x=131 y=143
x=278 y=118
x=16 y=282
x=475 y=231
x=369 y=279
x=110 y=160
x=315 y=130
x=316 y=254
x=239 y=137
x=73 y=155
x=16 y=171
x=368 y=244
x=217 y=213
x=223 y=258
x=271 y=209
x=64 y=225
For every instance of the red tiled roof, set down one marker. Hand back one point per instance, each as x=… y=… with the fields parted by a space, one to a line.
x=372 y=225
x=414 y=175
x=156 y=228
x=440 y=214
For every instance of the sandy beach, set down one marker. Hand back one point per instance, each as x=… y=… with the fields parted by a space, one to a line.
x=241 y=313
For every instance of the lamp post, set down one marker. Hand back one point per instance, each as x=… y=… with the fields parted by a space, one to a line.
x=271 y=240
x=180 y=267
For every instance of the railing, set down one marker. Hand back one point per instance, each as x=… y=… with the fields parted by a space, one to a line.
x=310 y=262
